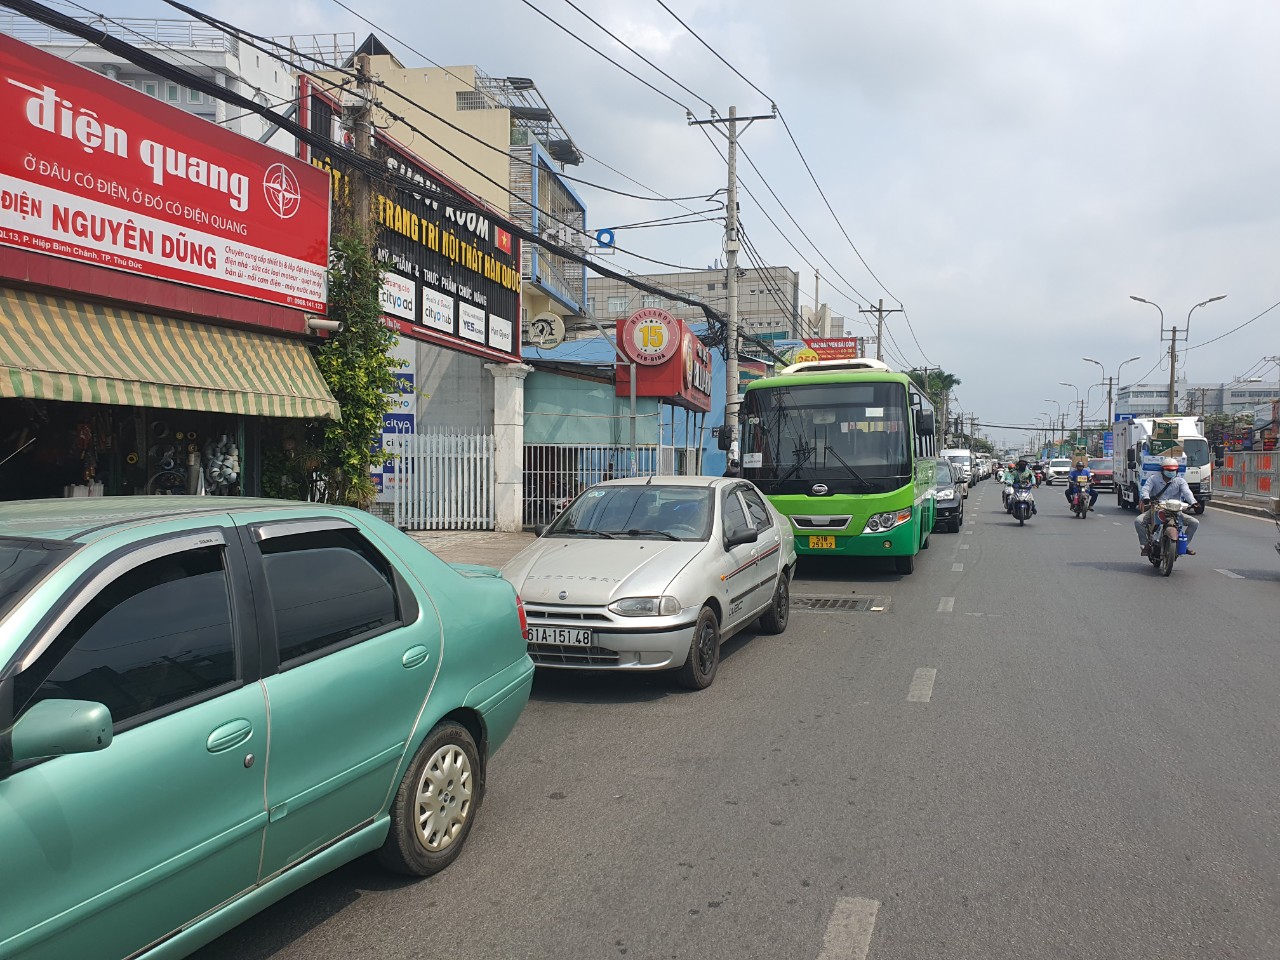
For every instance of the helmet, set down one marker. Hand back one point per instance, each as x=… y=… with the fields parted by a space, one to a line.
x=1022 y=464
x=1169 y=467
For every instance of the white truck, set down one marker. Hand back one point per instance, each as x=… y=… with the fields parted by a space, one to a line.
x=1140 y=445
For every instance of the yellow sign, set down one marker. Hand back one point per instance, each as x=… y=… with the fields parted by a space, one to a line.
x=822 y=543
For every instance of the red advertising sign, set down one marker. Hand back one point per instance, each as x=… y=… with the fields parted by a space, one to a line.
x=671 y=362
x=92 y=170
x=844 y=348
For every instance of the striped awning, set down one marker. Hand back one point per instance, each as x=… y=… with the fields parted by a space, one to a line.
x=52 y=348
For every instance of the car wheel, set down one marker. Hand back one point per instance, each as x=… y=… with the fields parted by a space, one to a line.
x=436 y=804
x=704 y=652
x=775 y=619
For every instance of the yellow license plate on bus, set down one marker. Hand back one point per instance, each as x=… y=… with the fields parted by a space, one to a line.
x=822 y=543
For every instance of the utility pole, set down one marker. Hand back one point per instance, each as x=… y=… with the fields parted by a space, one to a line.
x=1110 y=381
x=880 y=312
x=1173 y=369
x=973 y=427
x=732 y=244
x=362 y=131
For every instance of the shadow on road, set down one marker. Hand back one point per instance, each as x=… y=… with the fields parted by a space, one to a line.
x=839 y=572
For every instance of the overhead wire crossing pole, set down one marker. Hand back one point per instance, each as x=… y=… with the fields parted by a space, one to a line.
x=732 y=244
x=880 y=313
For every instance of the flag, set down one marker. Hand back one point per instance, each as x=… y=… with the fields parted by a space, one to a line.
x=503 y=240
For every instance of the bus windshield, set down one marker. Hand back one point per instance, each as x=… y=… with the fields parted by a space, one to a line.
x=856 y=434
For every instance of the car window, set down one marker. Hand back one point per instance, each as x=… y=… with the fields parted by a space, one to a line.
x=158 y=634
x=761 y=519
x=943 y=473
x=23 y=563
x=327 y=587
x=735 y=517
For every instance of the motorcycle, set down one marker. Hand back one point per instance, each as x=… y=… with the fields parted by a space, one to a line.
x=1022 y=504
x=1081 y=503
x=1007 y=496
x=1169 y=541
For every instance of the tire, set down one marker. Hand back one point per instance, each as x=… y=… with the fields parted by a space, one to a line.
x=956 y=525
x=704 y=653
x=1168 y=554
x=445 y=773
x=775 y=619
x=904 y=565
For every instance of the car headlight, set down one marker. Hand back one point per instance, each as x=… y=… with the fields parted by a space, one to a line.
x=887 y=521
x=645 y=607
x=947 y=494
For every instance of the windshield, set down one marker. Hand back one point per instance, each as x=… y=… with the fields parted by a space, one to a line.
x=944 y=474
x=857 y=434
x=632 y=510
x=1064 y=464
x=1197 y=451
x=1100 y=465
x=23 y=563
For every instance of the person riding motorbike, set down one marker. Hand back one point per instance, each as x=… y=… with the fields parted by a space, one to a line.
x=1080 y=476
x=1022 y=475
x=1165 y=485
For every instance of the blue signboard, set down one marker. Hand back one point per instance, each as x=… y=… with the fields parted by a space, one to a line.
x=1122 y=417
x=1108 y=444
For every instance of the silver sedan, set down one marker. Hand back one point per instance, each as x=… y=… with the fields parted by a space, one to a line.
x=654 y=574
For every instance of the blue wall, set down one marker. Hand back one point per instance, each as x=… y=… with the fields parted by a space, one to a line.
x=598 y=350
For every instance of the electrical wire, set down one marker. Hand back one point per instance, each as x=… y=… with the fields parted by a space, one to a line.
x=1233 y=329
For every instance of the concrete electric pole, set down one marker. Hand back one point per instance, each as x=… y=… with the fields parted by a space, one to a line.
x=732 y=244
x=880 y=313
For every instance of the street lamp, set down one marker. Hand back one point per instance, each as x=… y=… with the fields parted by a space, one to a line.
x=1056 y=404
x=1172 y=336
x=1110 y=380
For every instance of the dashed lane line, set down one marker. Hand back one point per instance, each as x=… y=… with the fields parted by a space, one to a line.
x=957 y=567
x=946 y=604
x=1229 y=574
x=921 y=689
x=848 y=936
x=964 y=546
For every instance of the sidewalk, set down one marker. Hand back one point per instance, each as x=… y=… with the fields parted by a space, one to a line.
x=1251 y=506
x=487 y=548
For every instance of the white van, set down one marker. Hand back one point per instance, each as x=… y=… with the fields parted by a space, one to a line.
x=962 y=459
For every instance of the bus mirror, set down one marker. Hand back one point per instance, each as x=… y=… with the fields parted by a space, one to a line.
x=924 y=422
x=724 y=439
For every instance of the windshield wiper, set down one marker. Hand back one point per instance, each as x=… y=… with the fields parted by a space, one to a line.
x=654 y=533
x=591 y=533
x=852 y=472
x=802 y=455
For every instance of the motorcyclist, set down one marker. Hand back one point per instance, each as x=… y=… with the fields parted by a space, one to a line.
x=1080 y=476
x=1022 y=475
x=1165 y=485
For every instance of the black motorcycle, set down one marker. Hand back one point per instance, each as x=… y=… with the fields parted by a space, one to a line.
x=1165 y=530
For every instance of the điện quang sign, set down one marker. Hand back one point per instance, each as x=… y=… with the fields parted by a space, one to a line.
x=94 y=171
x=452 y=265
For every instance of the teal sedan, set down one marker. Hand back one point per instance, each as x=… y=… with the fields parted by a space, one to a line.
x=206 y=704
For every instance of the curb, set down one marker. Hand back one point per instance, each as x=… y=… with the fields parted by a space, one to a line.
x=1248 y=509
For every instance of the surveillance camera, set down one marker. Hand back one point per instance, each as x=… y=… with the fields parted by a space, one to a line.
x=320 y=323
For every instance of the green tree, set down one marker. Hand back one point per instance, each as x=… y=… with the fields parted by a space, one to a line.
x=356 y=364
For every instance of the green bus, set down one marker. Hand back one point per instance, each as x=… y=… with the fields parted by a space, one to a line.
x=845 y=450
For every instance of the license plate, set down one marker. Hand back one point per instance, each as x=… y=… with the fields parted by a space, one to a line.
x=564 y=636
x=822 y=543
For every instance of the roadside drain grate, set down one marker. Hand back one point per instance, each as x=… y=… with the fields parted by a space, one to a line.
x=841 y=604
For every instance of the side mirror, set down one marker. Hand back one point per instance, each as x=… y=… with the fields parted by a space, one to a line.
x=738 y=537
x=539 y=529
x=724 y=439
x=924 y=422
x=52 y=728
x=1131 y=459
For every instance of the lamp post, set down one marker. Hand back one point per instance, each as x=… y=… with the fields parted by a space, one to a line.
x=1172 y=336
x=1064 y=383
x=1056 y=404
x=1111 y=381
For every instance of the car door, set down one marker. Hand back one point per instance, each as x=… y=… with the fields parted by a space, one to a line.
x=351 y=657
x=738 y=562
x=115 y=849
x=768 y=547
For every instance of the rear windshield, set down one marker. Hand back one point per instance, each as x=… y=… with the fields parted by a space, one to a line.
x=1100 y=465
x=23 y=563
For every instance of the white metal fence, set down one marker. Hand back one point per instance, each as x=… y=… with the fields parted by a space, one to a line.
x=443 y=481
x=556 y=473
x=1248 y=474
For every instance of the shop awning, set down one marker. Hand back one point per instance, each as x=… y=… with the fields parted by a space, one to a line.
x=52 y=348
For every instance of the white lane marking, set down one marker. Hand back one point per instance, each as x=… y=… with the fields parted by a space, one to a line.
x=957 y=567
x=946 y=604
x=921 y=690
x=848 y=936
x=969 y=532
x=964 y=546
x=1228 y=573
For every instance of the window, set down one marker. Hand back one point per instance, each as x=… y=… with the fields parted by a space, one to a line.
x=734 y=517
x=591 y=306
x=194 y=96
x=470 y=100
x=160 y=633
x=650 y=300
x=326 y=588
x=150 y=88
x=617 y=305
x=172 y=92
x=760 y=516
x=711 y=287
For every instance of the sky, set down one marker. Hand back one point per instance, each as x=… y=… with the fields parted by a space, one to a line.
x=1011 y=171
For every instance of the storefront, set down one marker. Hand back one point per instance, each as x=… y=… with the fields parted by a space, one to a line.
x=156 y=274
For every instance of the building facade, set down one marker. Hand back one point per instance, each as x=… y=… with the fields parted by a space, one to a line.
x=1201 y=399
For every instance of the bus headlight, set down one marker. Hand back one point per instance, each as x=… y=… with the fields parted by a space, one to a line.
x=887 y=521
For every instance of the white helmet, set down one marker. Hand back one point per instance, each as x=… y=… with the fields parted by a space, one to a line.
x=1168 y=463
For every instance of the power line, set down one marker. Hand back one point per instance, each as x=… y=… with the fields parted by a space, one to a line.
x=1232 y=330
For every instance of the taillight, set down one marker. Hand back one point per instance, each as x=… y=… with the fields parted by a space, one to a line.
x=524 y=620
